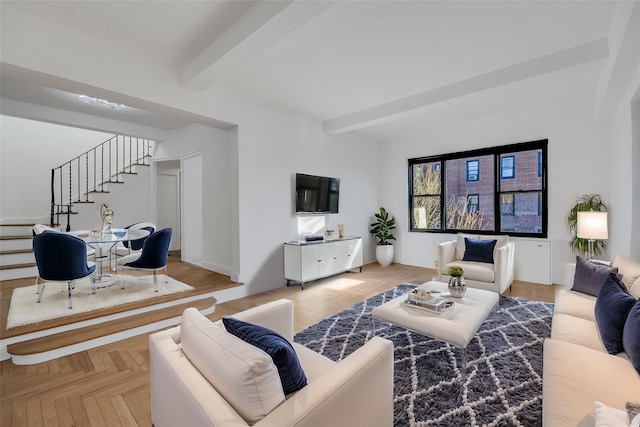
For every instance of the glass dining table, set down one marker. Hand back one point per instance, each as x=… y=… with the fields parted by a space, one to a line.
x=103 y=243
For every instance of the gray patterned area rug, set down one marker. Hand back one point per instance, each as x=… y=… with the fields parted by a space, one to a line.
x=503 y=386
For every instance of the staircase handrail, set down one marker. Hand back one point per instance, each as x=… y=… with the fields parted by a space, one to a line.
x=116 y=165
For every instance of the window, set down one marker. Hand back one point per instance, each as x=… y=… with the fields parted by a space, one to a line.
x=480 y=191
x=507 y=167
x=540 y=163
x=473 y=203
x=473 y=170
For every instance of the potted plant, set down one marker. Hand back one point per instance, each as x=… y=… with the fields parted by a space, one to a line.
x=457 y=287
x=381 y=229
x=585 y=203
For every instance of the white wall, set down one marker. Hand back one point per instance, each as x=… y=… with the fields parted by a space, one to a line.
x=579 y=163
x=28 y=151
x=216 y=147
x=625 y=185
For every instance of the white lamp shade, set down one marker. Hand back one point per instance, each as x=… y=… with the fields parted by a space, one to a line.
x=592 y=225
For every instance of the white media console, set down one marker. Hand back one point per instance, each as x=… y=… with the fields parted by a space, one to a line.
x=307 y=261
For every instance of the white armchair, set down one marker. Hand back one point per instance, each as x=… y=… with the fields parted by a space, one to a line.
x=496 y=277
x=355 y=391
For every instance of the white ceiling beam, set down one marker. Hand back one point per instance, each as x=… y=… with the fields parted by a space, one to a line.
x=393 y=110
x=624 y=44
x=262 y=26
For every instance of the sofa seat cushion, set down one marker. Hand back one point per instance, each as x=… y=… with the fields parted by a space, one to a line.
x=314 y=364
x=574 y=377
x=577 y=331
x=575 y=304
x=479 y=271
x=243 y=374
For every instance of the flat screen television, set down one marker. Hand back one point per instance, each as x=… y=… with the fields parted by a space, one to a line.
x=317 y=194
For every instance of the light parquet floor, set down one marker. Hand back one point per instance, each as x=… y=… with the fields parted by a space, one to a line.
x=109 y=385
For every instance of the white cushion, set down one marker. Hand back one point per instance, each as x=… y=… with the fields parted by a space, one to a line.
x=628 y=269
x=480 y=271
x=635 y=289
x=243 y=374
x=610 y=417
x=575 y=376
x=575 y=304
x=575 y=330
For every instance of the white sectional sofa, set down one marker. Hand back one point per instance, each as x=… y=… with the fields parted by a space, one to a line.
x=355 y=391
x=577 y=369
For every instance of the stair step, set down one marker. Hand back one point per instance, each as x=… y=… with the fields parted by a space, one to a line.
x=16 y=225
x=114 y=182
x=21 y=237
x=16 y=251
x=68 y=338
x=128 y=173
x=98 y=191
x=18 y=273
x=25 y=265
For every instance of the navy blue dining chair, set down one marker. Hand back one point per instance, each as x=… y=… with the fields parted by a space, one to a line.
x=155 y=250
x=61 y=258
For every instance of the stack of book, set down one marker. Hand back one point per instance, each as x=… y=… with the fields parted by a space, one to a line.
x=437 y=305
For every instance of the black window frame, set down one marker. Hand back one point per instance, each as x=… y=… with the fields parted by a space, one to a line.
x=496 y=152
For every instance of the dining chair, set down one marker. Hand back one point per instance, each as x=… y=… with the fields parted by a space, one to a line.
x=61 y=258
x=155 y=250
x=128 y=251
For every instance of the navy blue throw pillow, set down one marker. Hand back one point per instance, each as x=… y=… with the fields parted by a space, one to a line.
x=478 y=250
x=590 y=276
x=275 y=345
x=612 y=307
x=631 y=336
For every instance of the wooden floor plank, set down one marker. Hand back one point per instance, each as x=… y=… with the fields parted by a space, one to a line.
x=48 y=408
x=34 y=412
x=93 y=412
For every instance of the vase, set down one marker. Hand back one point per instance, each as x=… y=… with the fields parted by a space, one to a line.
x=384 y=255
x=457 y=288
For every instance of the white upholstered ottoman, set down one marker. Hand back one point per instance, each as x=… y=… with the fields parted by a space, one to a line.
x=456 y=326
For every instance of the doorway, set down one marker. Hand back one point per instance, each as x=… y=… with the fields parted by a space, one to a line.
x=168 y=197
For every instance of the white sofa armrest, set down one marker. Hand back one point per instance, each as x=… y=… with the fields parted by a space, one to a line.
x=504 y=262
x=357 y=391
x=446 y=254
x=180 y=395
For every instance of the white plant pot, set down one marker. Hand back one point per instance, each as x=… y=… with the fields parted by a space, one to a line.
x=384 y=255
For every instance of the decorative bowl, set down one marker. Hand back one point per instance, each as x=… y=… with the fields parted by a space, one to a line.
x=120 y=233
x=95 y=234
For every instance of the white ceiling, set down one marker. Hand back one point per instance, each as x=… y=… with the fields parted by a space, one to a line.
x=376 y=67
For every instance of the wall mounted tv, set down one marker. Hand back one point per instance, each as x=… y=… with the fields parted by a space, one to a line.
x=317 y=194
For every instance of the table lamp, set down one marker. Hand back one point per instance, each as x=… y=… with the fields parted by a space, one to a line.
x=592 y=226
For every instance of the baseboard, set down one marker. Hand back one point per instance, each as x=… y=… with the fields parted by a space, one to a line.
x=218 y=268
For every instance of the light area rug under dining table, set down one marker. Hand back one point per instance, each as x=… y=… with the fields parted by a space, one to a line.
x=24 y=310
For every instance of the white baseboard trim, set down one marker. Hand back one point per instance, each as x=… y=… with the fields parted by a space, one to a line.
x=218 y=268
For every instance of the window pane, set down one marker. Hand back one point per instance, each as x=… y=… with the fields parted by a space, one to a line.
x=507 y=167
x=473 y=170
x=426 y=212
x=458 y=188
x=426 y=178
x=526 y=163
x=521 y=212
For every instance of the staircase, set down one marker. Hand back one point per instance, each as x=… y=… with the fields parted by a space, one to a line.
x=82 y=181
x=16 y=254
